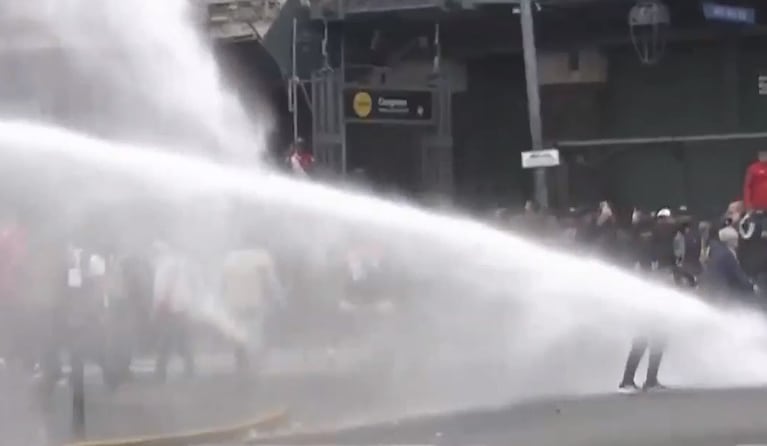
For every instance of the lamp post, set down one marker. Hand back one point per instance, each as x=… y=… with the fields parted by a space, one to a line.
x=533 y=97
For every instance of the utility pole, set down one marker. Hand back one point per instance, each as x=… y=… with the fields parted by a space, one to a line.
x=533 y=96
x=293 y=92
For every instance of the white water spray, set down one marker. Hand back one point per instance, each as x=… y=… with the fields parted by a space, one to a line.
x=522 y=320
x=551 y=303
x=133 y=70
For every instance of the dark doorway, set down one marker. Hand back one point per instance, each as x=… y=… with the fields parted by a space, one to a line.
x=390 y=156
x=253 y=74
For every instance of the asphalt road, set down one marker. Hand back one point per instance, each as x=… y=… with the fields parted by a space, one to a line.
x=321 y=400
x=672 y=417
x=318 y=402
x=216 y=397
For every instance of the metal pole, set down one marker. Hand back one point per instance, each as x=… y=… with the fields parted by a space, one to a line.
x=533 y=97
x=342 y=106
x=78 y=393
x=294 y=82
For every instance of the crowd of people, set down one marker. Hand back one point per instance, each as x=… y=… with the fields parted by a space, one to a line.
x=65 y=304
x=68 y=301
x=67 y=298
x=723 y=261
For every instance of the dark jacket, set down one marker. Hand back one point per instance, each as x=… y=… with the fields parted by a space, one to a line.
x=663 y=244
x=643 y=252
x=723 y=273
x=687 y=249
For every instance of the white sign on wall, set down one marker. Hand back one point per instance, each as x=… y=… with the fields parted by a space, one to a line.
x=762 y=80
x=540 y=158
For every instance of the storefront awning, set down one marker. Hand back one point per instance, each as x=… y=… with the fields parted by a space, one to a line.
x=278 y=40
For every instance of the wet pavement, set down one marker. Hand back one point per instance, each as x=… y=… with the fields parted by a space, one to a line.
x=323 y=396
x=672 y=417
x=217 y=396
x=148 y=408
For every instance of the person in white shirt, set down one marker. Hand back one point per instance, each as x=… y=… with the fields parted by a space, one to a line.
x=174 y=288
x=249 y=287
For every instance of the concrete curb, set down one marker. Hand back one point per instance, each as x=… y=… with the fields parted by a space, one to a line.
x=238 y=432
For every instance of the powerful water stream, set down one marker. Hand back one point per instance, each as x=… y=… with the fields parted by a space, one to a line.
x=490 y=316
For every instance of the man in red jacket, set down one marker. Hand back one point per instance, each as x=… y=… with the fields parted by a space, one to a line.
x=755 y=185
x=300 y=159
x=752 y=228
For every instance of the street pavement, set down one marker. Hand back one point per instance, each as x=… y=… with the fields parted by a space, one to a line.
x=727 y=417
x=323 y=393
x=302 y=381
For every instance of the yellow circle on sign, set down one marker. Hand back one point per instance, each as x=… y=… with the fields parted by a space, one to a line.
x=362 y=104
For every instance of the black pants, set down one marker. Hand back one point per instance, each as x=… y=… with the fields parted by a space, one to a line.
x=686 y=276
x=174 y=337
x=638 y=347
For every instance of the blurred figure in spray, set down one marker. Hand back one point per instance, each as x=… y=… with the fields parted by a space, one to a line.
x=174 y=288
x=14 y=310
x=605 y=232
x=735 y=211
x=588 y=232
x=642 y=236
x=46 y=297
x=617 y=241
x=249 y=289
x=687 y=251
x=118 y=317
x=76 y=319
x=530 y=221
x=568 y=227
x=361 y=263
x=300 y=160
x=95 y=306
x=705 y=229
x=653 y=248
x=136 y=278
x=664 y=231
x=723 y=274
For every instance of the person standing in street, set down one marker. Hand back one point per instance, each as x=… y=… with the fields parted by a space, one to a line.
x=174 y=288
x=300 y=160
x=723 y=274
x=687 y=251
x=249 y=289
x=654 y=254
x=14 y=311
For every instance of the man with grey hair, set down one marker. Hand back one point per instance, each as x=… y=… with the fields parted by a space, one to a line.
x=723 y=273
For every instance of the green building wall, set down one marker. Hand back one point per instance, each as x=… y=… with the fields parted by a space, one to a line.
x=697 y=88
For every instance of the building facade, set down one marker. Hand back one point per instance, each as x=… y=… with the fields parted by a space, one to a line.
x=678 y=130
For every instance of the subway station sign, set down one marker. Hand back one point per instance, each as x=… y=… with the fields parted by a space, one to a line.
x=728 y=13
x=383 y=106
